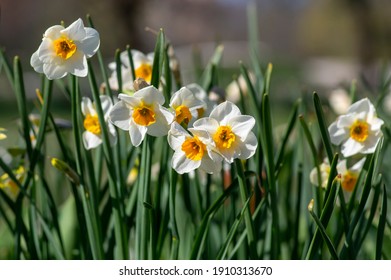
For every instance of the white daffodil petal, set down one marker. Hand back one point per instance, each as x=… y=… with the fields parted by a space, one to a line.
x=224 y=112
x=210 y=166
x=120 y=115
x=130 y=100
x=249 y=146
x=138 y=58
x=175 y=139
x=182 y=164
x=337 y=135
x=53 y=71
x=36 y=62
x=341 y=167
x=137 y=133
x=203 y=135
x=346 y=120
x=376 y=124
x=112 y=134
x=77 y=65
x=91 y=42
x=314 y=177
x=370 y=144
x=150 y=95
x=242 y=125
x=91 y=140
x=363 y=105
x=208 y=124
x=53 y=32
x=46 y=52
x=106 y=103
x=164 y=119
x=351 y=147
x=86 y=107
x=75 y=30
x=358 y=165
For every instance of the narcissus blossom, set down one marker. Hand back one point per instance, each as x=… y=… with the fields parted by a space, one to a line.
x=340 y=101
x=142 y=114
x=230 y=131
x=2 y=134
x=349 y=176
x=92 y=136
x=359 y=130
x=142 y=69
x=324 y=169
x=8 y=185
x=185 y=105
x=193 y=150
x=65 y=50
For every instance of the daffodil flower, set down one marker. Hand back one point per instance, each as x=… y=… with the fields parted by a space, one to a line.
x=2 y=134
x=92 y=136
x=324 y=168
x=340 y=101
x=201 y=94
x=185 y=105
x=142 y=114
x=142 y=69
x=192 y=151
x=359 y=130
x=230 y=131
x=65 y=50
x=349 y=176
x=7 y=184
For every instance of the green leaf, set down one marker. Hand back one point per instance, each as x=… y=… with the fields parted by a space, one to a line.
x=325 y=237
x=382 y=225
x=268 y=150
x=288 y=132
x=324 y=219
x=206 y=81
x=224 y=249
x=202 y=231
x=158 y=59
x=322 y=126
x=348 y=251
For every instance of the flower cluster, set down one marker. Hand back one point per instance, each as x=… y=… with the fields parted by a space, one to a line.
x=358 y=131
x=142 y=69
x=224 y=135
x=201 y=134
x=349 y=176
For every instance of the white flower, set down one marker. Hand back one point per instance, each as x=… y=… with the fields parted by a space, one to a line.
x=235 y=87
x=324 y=174
x=340 y=101
x=142 y=114
x=92 y=136
x=201 y=94
x=230 y=131
x=359 y=129
x=349 y=176
x=2 y=134
x=65 y=50
x=142 y=69
x=185 y=105
x=192 y=151
x=8 y=185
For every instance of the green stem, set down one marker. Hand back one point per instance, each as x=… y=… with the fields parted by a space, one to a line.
x=142 y=221
x=247 y=214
